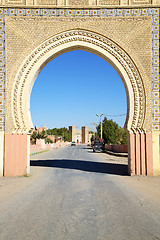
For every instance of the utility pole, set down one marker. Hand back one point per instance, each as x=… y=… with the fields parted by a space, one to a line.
x=101 y=122
x=93 y=128
x=101 y=125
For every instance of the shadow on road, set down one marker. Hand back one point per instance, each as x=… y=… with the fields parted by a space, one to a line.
x=87 y=166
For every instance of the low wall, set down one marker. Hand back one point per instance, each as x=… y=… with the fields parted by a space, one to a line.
x=117 y=148
x=37 y=148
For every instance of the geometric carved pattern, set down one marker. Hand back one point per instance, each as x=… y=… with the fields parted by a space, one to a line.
x=154 y=12
x=38 y=3
x=109 y=2
x=89 y=37
x=155 y=73
x=78 y=2
x=2 y=75
x=141 y=2
x=14 y=2
x=46 y=2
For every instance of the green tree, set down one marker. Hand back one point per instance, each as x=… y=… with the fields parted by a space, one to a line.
x=42 y=135
x=112 y=133
x=38 y=135
x=64 y=132
x=122 y=137
x=33 y=136
x=92 y=138
x=48 y=140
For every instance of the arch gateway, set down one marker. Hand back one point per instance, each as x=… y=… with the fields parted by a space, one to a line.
x=123 y=32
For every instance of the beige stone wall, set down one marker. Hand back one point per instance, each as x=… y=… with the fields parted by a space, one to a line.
x=75 y=134
x=85 y=135
x=132 y=34
x=79 y=3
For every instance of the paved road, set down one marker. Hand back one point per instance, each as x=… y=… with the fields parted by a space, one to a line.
x=79 y=195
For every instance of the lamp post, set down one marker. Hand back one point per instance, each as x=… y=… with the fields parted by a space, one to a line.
x=93 y=128
x=101 y=122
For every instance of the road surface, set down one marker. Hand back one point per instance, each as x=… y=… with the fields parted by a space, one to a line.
x=75 y=194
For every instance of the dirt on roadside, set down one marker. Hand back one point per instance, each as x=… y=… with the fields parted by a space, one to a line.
x=13 y=185
x=149 y=187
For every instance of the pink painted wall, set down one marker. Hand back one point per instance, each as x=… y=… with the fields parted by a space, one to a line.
x=140 y=154
x=15 y=161
x=117 y=148
x=52 y=137
x=37 y=147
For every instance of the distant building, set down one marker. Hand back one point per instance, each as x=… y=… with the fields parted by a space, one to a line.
x=41 y=129
x=80 y=136
x=52 y=137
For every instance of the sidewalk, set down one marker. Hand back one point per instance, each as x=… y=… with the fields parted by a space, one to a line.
x=36 y=149
x=117 y=154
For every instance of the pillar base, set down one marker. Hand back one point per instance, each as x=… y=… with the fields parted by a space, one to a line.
x=1 y=153
x=16 y=155
x=156 y=153
x=140 y=154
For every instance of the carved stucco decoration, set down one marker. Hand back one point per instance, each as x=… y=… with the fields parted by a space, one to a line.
x=69 y=40
x=74 y=3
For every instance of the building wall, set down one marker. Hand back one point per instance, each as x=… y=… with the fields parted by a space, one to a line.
x=85 y=135
x=117 y=148
x=81 y=135
x=52 y=137
x=41 y=129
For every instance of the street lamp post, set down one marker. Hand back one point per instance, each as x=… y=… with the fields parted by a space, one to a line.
x=93 y=128
x=101 y=122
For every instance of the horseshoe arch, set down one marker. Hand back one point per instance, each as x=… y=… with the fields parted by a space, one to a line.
x=109 y=51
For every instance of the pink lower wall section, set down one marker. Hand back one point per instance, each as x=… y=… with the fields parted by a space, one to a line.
x=38 y=147
x=139 y=150
x=117 y=148
x=140 y=154
x=15 y=161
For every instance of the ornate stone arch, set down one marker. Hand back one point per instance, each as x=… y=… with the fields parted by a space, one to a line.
x=85 y=40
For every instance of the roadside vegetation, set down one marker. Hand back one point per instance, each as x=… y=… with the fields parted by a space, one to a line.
x=64 y=132
x=112 y=133
x=57 y=132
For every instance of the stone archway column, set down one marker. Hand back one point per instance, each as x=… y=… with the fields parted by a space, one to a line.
x=1 y=153
x=156 y=153
x=140 y=160
x=17 y=154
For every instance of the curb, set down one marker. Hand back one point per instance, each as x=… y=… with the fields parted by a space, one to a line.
x=117 y=154
x=38 y=152
x=32 y=154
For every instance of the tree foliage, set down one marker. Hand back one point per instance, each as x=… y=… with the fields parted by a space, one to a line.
x=42 y=135
x=33 y=136
x=64 y=132
x=112 y=132
x=92 y=138
x=38 y=135
x=48 y=140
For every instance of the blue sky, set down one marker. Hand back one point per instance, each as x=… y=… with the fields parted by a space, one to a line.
x=73 y=88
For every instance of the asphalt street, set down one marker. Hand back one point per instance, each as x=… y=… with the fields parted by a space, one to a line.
x=79 y=195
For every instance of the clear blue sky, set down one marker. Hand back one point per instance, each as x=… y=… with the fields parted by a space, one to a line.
x=73 y=87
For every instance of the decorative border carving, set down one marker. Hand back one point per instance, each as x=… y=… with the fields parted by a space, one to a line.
x=154 y=12
x=46 y=2
x=95 y=39
x=141 y=2
x=79 y=3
